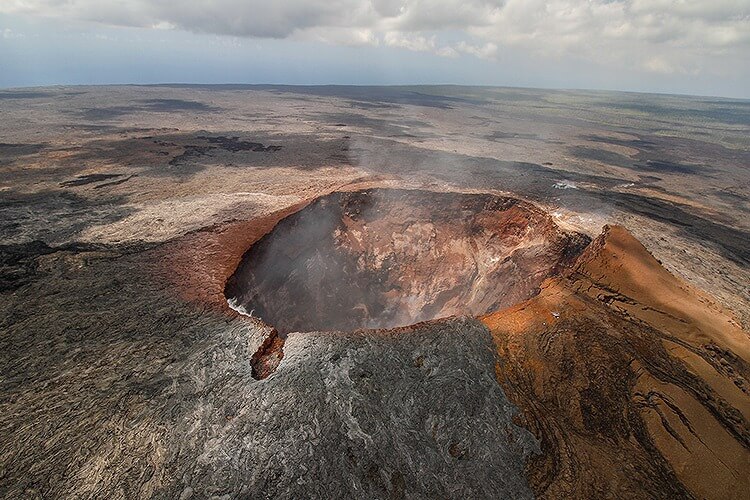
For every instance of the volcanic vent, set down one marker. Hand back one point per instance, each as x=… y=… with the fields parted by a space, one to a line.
x=382 y=258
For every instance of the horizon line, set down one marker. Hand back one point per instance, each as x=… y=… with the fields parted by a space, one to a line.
x=366 y=85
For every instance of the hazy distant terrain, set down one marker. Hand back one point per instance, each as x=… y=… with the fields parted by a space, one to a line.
x=91 y=163
x=117 y=383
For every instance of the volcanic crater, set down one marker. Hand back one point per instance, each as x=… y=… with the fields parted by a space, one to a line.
x=384 y=258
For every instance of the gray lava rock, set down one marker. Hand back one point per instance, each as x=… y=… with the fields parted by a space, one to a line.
x=113 y=387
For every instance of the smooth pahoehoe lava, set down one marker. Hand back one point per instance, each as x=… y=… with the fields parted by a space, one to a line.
x=384 y=258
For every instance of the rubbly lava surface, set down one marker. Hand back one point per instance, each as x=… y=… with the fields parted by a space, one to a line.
x=383 y=258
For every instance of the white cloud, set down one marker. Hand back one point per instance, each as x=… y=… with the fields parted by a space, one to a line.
x=163 y=25
x=447 y=52
x=671 y=36
x=486 y=51
x=411 y=42
x=659 y=65
x=351 y=37
x=8 y=34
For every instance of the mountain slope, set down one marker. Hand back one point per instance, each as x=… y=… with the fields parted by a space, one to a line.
x=634 y=382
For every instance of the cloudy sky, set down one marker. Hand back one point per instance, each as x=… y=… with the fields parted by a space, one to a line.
x=675 y=46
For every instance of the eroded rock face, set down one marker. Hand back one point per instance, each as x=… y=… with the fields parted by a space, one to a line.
x=382 y=258
x=634 y=383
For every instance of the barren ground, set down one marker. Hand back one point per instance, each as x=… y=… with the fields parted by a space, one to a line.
x=124 y=211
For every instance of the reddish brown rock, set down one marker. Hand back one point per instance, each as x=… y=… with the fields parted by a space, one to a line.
x=381 y=258
x=634 y=382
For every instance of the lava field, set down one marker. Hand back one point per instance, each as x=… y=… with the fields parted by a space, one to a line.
x=373 y=292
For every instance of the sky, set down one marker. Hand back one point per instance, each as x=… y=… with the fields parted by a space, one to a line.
x=699 y=47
